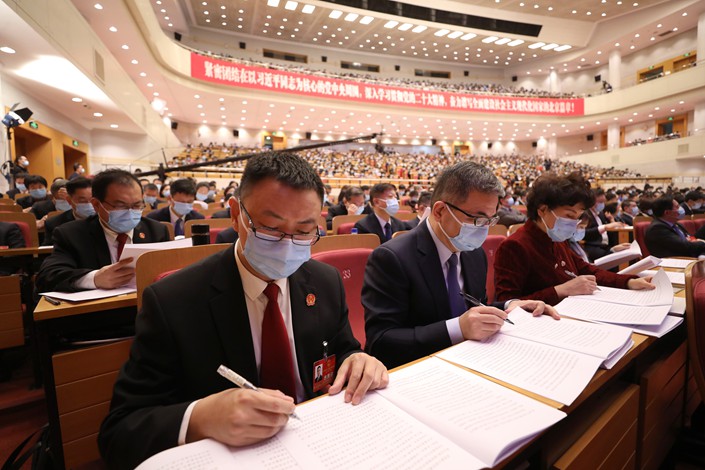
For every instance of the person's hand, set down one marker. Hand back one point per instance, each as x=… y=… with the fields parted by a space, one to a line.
x=620 y=247
x=481 y=322
x=352 y=209
x=114 y=275
x=642 y=283
x=613 y=225
x=536 y=307
x=62 y=194
x=585 y=284
x=40 y=222
x=239 y=417
x=362 y=372
x=27 y=209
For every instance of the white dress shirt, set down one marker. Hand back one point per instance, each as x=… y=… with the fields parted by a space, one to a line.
x=87 y=281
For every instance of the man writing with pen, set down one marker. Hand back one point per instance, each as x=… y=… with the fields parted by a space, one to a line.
x=260 y=308
x=424 y=291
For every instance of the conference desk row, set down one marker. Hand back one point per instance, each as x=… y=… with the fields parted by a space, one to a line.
x=627 y=417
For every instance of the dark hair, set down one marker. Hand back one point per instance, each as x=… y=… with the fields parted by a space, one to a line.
x=352 y=192
x=57 y=185
x=364 y=187
x=112 y=176
x=76 y=165
x=203 y=184
x=457 y=181
x=611 y=207
x=425 y=198
x=661 y=205
x=690 y=195
x=379 y=189
x=555 y=191
x=151 y=187
x=183 y=186
x=626 y=203
x=20 y=175
x=142 y=180
x=35 y=179
x=76 y=184
x=598 y=192
x=164 y=186
x=645 y=204
x=287 y=168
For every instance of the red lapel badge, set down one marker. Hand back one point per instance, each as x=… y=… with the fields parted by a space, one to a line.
x=310 y=300
x=142 y=235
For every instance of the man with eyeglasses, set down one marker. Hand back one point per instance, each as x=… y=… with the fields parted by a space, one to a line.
x=86 y=252
x=414 y=284
x=262 y=308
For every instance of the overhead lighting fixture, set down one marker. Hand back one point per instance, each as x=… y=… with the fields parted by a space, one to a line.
x=455 y=34
x=468 y=36
x=405 y=27
x=391 y=24
x=7 y=50
x=351 y=16
x=502 y=41
x=490 y=39
x=273 y=3
x=419 y=29
x=536 y=45
x=366 y=19
x=335 y=14
x=113 y=29
x=76 y=99
x=98 y=6
x=308 y=9
x=291 y=5
x=562 y=48
x=441 y=32
x=548 y=47
x=515 y=42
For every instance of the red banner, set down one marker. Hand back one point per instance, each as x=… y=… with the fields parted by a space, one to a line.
x=261 y=78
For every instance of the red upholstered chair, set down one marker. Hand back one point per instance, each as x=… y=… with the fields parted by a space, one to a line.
x=351 y=265
x=490 y=246
x=699 y=223
x=27 y=224
x=695 y=325
x=216 y=225
x=639 y=233
x=690 y=226
x=345 y=229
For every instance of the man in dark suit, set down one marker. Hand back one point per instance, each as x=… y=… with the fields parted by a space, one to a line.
x=381 y=221
x=56 y=202
x=229 y=235
x=665 y=237
x=20 y=189
x=352 y=202
x=693 y=202
x=86 y=252
x=37 y=187
x=10 y=237
x=423 y=203
x=508 y=214
x=413 y=284
x=78 y=170
x=629 y=211
x=261 y=308
x=597 y=241
x=151 y=195
x=183 y=192
x=79 y=198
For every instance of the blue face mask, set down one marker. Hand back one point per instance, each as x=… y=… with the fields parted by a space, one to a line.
x=510 y=201
x=272 y=259
x=599 y=207
x=392 y=206
x=84 y=210
x=62 y=205
x=470 y=237
x=359 y=210
x=635 y=210
x=183 y=208
x=579 y=234
x=562 y=229
x=681 y=213
x=122 y=221
x=211 y=194
x=21 y=187
x=150 y=199
x=201 y=196
x=40 y=193
x=166 y=193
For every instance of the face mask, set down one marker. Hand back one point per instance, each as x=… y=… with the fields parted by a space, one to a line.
x=635 y=210
x=183 y=208
x=392 y=206
x=578 y=235
x=82 y=170
x=211 y=194
x=62 y=205
x=359 y=210
x=325 y=198
x=150 y=199
x=201 y=196
x=25 y=163
x=38 y=193
x=367 y=198
x=681 y=213
x=21 y=187
x=697 y=205
x=274 y=260
x=470 y=237
x=562 y=230
x=159 y=187
x=84 y=210
x=166 y=193
x=122 y=221
x=650 y=212
x=600 y=207
x=510 y=201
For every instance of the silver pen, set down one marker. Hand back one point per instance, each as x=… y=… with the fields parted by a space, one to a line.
x=477 y=303
x=242 y=382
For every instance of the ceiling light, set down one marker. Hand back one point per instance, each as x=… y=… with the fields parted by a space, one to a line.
x=548 y=47
x=441 y=32
x=455 y=34
x=291 y=5
x=273 y=3
x=113 y=29
x=418 y=29
x=536 y=45
x=490 y=39
x=351 y=16
x=469 y=36
x=308 y=9
x=391 y=24
x=515 y=42
x=405 y=27
x=113 y=126
x=366 y=20
x=98 y=6
x=76 y=99
x=562 y=48
x=7 y=50
x=503 y=41
x=335 y=14
x=125 y=46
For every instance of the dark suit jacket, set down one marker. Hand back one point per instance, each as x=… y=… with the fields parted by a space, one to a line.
x=80 y=247
x=27 y=201
x=163 y=215
x=42 y=208
x=410 y=224
x=663 y=241
x=193 y=321
x=13 y=193
x=53 y=222
x=11 y=237
x=224 y=214
x=370 y=224
x=592 y=244
x=340 y=209
x=406 y=300
x=229 y=235
x=627 y=219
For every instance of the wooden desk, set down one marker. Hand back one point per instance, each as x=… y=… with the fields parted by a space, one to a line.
x=623 y=234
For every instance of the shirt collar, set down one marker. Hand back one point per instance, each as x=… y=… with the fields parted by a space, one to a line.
x=443 y=252
x=251 y=284
x=383 y=222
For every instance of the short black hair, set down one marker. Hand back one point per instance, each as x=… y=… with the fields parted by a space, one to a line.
x=286 y=168
x=661 y=205
x=598 y=192
x=611 y=208
x=35 y=179
x=203 y=184
x=455 y=182
x=425 y=198
x=690 y=196
x=105 y=178
x=555 y=191
x=378 y=189
x=76 y=165
x=76 y=184
x=626 y=203
x=151 y=187
x=20 y=175
x=183 y=186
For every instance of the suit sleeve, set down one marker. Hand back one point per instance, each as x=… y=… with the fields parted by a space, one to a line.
x=663 y=242
x=60 y=269
x=392 y=335
x=145 y=415
x=511 y=271
x=14 y=237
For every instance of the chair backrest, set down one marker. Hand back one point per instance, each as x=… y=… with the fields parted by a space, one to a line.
x=342 y=242
x=27 y=224
x=351 y=265
x=10 y=208
x=401 y=215
x=7 y=202
x=490 y=246
x=54 y=214
x=344 y=229
x=169 y=228
x=11 y=329
x=698 y=221
x=641 y=218
x=689 y=225
x=398 y=233
x=153 y=263
x=695 y=320
x=499 y=229
x=698 y=216
x=216 y=225
x=514 y=228
x=639 y=235
x=338 y=220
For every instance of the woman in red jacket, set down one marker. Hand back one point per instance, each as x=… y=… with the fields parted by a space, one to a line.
x=537 y=263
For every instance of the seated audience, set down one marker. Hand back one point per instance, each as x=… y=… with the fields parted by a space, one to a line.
x=629 y=211
x=693 y=203
x=423 y=206
x=37 y=188
x=574 y=241
x=665 y=237
x=180 y=209
x=598 y=241
x=536 y=262
x=381 y=221
x=151 y=196
x=165 y=191
x=262 y=308
x=204 y=192
x=352 y=202
x=10 y=237
x=20 y=189
x=79 y=197
x=507 y=213
x=86 y=252
x=56 y=202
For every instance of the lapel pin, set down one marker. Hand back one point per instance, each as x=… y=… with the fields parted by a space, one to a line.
x=310 y=300
x=141 y=235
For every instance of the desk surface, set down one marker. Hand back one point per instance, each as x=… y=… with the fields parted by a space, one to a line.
x=32 y=250
x=47 y=311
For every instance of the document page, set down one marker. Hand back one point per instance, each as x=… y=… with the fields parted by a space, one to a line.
x=583 y=308
x=552 y=372
x=615 y=259
x=646 y=263
x=674 y=277
x=676 y=263
x=93 y=294
x=583 y=337
x=486 y=419
x=661 y=295
x=669 y=323
x=135 y=250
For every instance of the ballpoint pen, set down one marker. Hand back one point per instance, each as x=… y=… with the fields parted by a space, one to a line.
x=477 y=303
x=242 y=382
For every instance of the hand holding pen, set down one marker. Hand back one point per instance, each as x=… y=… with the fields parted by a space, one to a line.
x=476 y=303
x=479 y=322
x=242 y=382
x=578 y=285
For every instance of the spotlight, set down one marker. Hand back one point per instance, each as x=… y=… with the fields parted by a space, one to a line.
x=16 y=117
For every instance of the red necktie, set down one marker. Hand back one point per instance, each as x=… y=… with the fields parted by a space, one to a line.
x=121 y=239
x=276 y=368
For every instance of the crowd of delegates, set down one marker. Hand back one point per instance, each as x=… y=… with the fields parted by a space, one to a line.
x=658 y=138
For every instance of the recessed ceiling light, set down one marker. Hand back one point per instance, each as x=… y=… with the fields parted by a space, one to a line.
x=76 y=99
x=515 y=42
x=273 y=3
x=113 y=29
x=114 y=126
x=468 y=36
x=308 y=9
x=490 y=39
x=503 y=41
x=391 y=24
x=335 y=14
x=536 y=45
x=366 y=20
x=562 y=48
x=351 y=17
x=455 y=34
x=125 y=46
x=548 y=47
x=98 y=6
x=134 y=62
x=441 y=32
x=7 y=50
x=98 y=114
x=291 y=5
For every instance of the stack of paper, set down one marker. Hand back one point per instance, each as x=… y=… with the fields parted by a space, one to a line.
x=676 y=278
x=676 y=263
x=646 y=263
x=619 y=257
